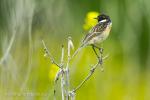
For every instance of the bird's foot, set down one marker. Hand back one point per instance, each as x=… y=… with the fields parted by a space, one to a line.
x=101 y=50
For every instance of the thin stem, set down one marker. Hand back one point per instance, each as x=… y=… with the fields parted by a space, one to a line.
x=62 y=87
x=67 y=68
x=49 y=55
x=100 y=61
x=72 y=95
x=61 y=72
x=62 y=75
x=62 y=55
x=87 y=78
x=54 y=91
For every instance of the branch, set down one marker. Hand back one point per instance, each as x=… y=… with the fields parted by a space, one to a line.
x=60 y=73
x=63 y=72
x=70 y=46
x=63 y=87
x=87 y=78
x=62 y=56
x=48 y=54
x=100 y=62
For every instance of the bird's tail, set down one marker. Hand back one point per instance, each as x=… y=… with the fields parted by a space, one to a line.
x=80 y=47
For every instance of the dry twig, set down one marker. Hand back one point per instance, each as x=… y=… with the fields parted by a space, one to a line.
x=63 y=73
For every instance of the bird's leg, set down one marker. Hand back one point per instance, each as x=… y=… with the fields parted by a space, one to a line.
x=93 y=47
x=99 y=48
x=100 y=58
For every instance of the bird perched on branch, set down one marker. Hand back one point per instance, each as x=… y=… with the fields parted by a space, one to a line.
x=98 y=33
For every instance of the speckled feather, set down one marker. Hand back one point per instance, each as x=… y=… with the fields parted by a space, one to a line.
x=94 y=32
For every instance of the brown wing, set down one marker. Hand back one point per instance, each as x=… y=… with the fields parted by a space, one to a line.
x=95 y=31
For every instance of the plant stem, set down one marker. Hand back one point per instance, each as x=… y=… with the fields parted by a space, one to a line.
x=48 y=54
x=62 y=74
x=67 y=68
x=62 y=87
x=87 y=78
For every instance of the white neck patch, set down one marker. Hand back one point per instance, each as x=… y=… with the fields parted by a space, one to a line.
x=103 y=21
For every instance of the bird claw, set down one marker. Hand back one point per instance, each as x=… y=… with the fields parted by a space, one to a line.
x=101 y=50
x=100 y=61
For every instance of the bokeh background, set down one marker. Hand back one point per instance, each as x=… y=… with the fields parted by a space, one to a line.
x=26 y=75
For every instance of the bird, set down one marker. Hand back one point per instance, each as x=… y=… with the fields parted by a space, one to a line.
x=97 y=33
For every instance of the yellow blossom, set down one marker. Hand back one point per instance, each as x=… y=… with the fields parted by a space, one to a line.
x=52 y=72
x=89 y=20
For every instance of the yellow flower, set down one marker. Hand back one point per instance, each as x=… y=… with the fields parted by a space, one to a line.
x=52 y=72
x=89 y=20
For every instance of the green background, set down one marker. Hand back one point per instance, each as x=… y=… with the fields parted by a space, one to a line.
x=26 y=75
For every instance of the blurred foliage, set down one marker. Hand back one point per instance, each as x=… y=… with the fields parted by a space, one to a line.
x=26 y=74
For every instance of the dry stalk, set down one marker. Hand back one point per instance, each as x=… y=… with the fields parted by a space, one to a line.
x=63 y=72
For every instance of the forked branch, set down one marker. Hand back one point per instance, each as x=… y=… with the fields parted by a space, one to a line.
x=100 y=62
x=63 y=72
x=87 y=77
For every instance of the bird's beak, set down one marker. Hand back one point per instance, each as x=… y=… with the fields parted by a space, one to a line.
x=95 y=18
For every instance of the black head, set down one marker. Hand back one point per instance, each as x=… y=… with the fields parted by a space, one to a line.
x=103 y=17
